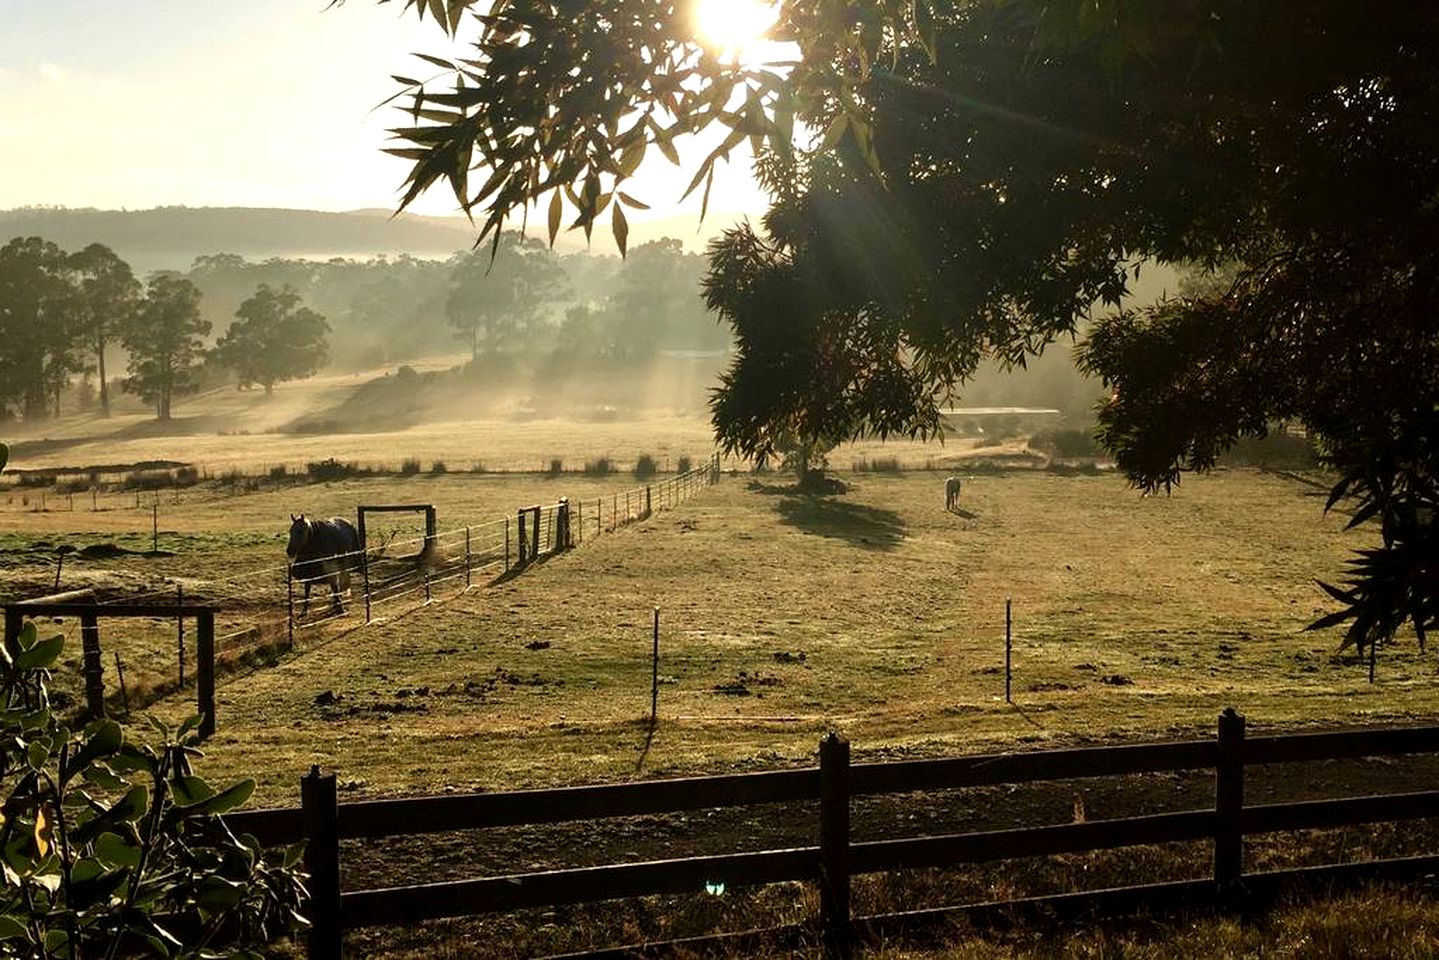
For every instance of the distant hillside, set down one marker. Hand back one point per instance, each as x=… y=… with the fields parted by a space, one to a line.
x=170 y=238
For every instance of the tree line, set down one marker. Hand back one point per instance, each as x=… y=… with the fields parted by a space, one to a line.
x=284 y=319
x=60 y=312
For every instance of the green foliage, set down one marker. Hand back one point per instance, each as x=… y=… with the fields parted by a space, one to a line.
x=274 y=339
x=551 y=104
x=988 y=173
x=109 y=299
x=164 y=342
x=495 y=304
x=110 y=846
x=41 y=324
x=1067 y=444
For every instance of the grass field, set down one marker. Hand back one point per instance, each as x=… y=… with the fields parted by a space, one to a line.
x=876 y=613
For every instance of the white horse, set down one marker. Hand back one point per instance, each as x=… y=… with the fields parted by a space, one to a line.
x=951 y=492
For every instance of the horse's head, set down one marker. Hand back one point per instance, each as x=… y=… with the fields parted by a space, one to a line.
x=299 y=535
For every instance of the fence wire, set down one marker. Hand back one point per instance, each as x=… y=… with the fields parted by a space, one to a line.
x=262 y=611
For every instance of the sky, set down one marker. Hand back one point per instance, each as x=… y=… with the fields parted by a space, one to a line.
x=130 y=104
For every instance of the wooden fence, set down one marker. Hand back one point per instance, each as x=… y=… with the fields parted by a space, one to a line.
x=834 y=783
x=81 y=604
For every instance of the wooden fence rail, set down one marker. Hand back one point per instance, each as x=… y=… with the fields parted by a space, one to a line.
x=833 y=785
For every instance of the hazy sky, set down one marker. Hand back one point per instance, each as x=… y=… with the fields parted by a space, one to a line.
x=142 y=103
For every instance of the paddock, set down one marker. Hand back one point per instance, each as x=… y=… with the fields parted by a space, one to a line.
x=873 y=613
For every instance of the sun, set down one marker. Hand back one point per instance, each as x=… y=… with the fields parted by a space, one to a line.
x=735 y=28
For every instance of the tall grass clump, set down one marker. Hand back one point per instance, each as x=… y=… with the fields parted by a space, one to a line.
x=409 y=467
x=645 y=467
x=438 y=467
x=599 y=467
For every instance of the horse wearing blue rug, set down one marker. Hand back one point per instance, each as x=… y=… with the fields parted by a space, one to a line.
x=323 y=550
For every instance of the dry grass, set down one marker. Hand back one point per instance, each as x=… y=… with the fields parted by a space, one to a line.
x=875 y=613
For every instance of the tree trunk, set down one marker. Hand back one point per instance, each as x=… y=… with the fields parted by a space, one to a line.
x=104 y=387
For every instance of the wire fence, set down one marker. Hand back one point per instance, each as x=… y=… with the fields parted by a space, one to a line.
x=267 y=610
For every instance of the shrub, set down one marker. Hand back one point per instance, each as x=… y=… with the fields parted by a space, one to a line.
x=438 y=467
x=645 y=467
x=72 y=485
x=148 y=480
x=185 y=476
x=557 y=467
x=600 y=467
x=409 y=467
x=683 y=465
x=1066 y=444
x=116 y=844
x=885 y=465
x=278 y=472
x=323 y=471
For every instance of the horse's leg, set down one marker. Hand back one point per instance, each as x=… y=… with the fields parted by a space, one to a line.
x=305 y=603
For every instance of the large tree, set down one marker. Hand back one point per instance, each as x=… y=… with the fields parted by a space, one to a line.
x=164 y=340
x=273 y=339
x=495 y=302
x=109 y=296
x=986 y=171
x=39 y=324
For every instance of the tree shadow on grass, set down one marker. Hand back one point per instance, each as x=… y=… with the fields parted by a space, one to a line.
x=871 y=528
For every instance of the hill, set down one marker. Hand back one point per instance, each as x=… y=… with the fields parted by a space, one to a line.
x=170 y=238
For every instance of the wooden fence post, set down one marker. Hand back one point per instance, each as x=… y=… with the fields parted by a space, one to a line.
x=1229 y=808
x=14 y=621
x=205 y=670
x=649 y=508
x=94 y=668
x=580 y=518
x=180 y=631
x=523 y=538
x=834 y=876
x=320 y=813
x=535 y=535
x=507 y=544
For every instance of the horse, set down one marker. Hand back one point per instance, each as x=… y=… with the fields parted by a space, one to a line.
x=323 y=550
x=951 y=492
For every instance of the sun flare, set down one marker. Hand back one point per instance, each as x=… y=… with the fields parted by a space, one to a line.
x=736 y=28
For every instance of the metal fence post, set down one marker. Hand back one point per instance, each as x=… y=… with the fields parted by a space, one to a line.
x=834 y=866
x=467 y=558
x=320 y=813
x=290 y=602
x=1229 y=808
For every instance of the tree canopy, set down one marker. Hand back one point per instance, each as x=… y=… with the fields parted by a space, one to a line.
x=164 y=342
x=495 y=301
x=974 y=177
x=109 y=297
x=274 y=339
